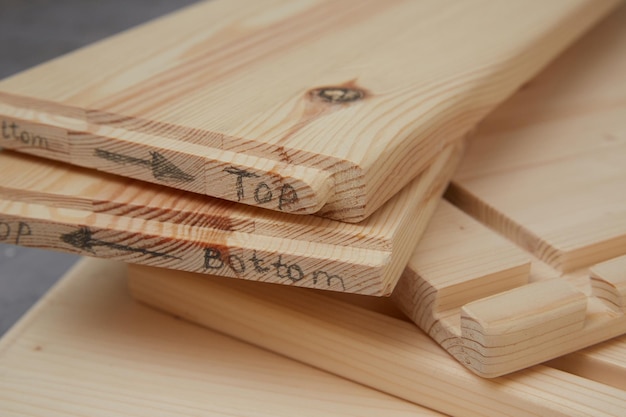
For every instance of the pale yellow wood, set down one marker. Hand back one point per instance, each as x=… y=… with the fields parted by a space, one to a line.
x=494 y=307
x=88 y=349
x=608 y=282
x=326 y=105
x=458 y=260
x=379 y=351
x=548 y=169
x=605 y=363
x=546 y=308
x=48 y=205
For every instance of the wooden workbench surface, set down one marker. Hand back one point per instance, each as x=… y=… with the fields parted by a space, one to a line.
x=88 y=349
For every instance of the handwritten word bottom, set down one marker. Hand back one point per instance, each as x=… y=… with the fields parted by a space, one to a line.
x=215 y=259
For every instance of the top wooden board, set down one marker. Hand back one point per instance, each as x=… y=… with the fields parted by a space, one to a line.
x=296 y=106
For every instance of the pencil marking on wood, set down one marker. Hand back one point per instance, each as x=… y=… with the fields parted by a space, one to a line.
x=83 y=239
x=329 y=278
x=162 y=168
x=262 y=192
x=217 y=259
x=12 y=232
x=241 y=174
x=12 y=131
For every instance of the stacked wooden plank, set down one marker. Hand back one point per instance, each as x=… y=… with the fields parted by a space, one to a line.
x=494 y=306
x=524 y=263
x=80 y=211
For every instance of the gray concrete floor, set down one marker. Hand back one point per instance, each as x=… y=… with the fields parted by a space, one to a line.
x=31 y=32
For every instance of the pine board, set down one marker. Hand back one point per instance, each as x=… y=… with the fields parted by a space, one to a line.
x=498 y=309
x=51 y=205
x=492 y=305
x=548 y=169
x=87 y=349
x=377 y=350
x=296 y=106
x=605 y=363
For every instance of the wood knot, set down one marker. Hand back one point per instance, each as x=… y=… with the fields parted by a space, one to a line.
x=338 y=95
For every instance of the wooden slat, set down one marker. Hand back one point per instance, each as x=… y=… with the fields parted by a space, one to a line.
x=608 y=282
x=88 y=349
x=607 y=361
x=292 y=106
x=469 y=289
x=496 y=308
x=548 y=168
x=50 y=205
x=459 y=262
x=385 y=353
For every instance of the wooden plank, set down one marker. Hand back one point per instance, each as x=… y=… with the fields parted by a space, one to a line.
x=608 y=282
x=383 y=352
x=606 y=362
x=50 y=205
x=497 y=309
x=547 y=171
x=293 y=106
x=471 y=291
x=548 y=168
x=88 y=349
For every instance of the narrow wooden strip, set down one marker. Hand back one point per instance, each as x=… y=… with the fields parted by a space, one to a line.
x=604 y=363
x=508 y=330
x=468 y=288
x=608 y=282
x=88 y=349
x=379 y=351
x=459 y=260
x=509 y=317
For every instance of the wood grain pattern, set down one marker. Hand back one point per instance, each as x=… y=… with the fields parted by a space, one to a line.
x=88 y=349
x=605 y=362
x=494 y=307
x=50 y=205
x=377 y=350
x=498 y=309
x=547 y=169
x=296 y=106
x=608 y=282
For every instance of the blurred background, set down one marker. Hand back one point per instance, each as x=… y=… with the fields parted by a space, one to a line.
x=32 y=32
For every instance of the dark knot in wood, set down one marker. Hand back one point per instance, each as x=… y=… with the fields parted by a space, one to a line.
x=338 y=94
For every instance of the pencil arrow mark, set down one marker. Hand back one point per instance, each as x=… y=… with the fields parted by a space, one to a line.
x=83 y=239
x=162 y=169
